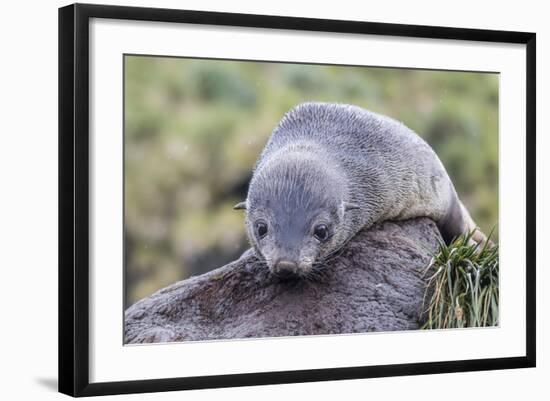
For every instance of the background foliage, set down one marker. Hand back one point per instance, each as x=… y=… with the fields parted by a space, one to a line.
x=194 y=128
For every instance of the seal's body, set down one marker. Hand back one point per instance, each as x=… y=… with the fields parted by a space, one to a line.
x=330 y=170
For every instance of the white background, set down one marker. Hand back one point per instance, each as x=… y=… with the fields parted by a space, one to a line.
x=28 y=219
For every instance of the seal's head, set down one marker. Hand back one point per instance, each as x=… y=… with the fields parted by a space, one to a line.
x=295 y=213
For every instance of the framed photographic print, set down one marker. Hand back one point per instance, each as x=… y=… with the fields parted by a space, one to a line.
x=251 y=199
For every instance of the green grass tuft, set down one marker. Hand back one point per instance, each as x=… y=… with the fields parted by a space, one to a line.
x=463 y=285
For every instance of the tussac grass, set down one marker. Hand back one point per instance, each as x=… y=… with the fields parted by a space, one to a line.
x=463 y=285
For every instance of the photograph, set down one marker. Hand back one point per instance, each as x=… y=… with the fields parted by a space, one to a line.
x=251 y=199
x=281 y=199
x=243 y=200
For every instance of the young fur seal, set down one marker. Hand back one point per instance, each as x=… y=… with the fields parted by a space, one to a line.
x=330 y=170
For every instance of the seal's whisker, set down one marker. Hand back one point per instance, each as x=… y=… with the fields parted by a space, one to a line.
x=334 y=254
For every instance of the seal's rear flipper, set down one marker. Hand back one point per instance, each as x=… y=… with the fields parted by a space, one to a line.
x=454 y=222
x=478 y=236
x=457 y=221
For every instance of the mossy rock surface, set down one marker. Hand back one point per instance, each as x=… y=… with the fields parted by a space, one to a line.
x=375 y=284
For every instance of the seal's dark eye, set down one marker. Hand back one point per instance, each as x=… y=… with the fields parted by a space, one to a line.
x=261 y=229
x=321 y=232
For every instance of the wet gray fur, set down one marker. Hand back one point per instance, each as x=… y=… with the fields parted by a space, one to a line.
x=348 y=168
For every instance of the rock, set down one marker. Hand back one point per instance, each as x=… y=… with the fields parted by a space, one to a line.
x=375 y=284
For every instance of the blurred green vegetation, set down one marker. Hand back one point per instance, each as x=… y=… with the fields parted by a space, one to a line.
x=194 y=128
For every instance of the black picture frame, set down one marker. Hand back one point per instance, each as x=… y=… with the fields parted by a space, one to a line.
x=74 y=191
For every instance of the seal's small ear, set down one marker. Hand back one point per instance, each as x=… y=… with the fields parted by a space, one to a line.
x=349 y=206
x=240 y=206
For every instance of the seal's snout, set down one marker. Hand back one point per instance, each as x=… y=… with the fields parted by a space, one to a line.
x=285 y=268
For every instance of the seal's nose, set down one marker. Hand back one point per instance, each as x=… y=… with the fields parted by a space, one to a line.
x=285 y=268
